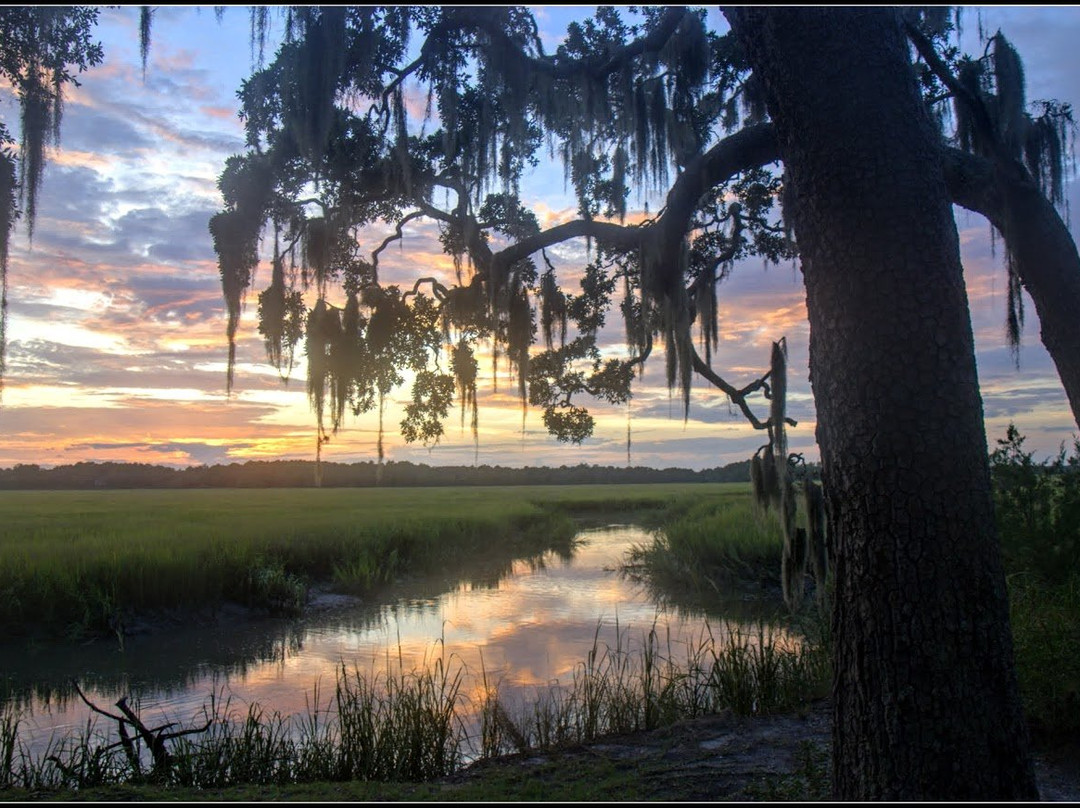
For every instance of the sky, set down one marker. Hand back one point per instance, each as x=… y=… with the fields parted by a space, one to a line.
x=116 y=330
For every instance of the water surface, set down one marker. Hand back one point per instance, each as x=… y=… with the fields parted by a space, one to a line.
x=524 y=630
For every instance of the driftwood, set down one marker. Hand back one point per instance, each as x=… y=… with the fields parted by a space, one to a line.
x=155 y=738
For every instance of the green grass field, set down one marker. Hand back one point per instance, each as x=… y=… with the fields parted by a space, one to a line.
x=75 y=562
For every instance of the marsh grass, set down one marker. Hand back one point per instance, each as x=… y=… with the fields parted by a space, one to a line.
x=9 y=738
x=395 y=726
x=412 y=726
x=84 y=760
x=79 y=563
x=711 y=547
x=271 y=587
x=1038 y=514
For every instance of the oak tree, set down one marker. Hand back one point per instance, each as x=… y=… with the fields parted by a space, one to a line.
x=925 y=692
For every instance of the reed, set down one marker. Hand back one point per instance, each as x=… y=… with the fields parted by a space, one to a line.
x=395 y=725
x=710 y=546
x=657 y=681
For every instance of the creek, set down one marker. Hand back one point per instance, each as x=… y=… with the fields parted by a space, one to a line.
x=525 y=629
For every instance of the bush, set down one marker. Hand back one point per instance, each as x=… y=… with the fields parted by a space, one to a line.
x=1046 y=636
x=1038 y=515
x=1038 y=509
x=271 y=588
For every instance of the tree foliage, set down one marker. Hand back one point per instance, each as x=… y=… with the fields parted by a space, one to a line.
x=42 y=50
x=653 y=102
x=627 y=103
x=334 y=160
x=1038 y=508
x=338 y=166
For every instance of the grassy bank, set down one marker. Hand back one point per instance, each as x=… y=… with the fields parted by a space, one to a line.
x=81 y=563
x=712 y=538
x=712 y=547
x=411 y=726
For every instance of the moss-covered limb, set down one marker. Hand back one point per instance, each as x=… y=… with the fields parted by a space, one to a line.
x=1042 y=251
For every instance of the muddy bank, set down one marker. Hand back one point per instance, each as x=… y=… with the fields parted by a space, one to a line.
x=721 y=757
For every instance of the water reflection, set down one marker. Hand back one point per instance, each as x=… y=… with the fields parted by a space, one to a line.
x=522 y=626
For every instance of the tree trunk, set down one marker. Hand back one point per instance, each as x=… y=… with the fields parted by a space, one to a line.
x=925 y=697
x=1042 y=247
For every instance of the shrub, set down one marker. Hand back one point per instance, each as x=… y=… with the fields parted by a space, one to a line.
x=1038 y=514
x=1038 y=508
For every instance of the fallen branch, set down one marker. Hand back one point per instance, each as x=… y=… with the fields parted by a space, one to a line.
x=154 y=738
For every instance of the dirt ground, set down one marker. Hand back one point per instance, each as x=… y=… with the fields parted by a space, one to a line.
x=727 y=757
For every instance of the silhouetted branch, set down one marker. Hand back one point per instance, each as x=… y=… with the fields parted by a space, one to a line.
x=937 y=65
x=437 y=288
x=155 y=739
x=395 y=236
x=738 y=396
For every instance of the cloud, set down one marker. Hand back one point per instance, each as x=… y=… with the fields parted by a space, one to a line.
x=103 y=132
x=168 y=453
x=195 y=430
x=176 y=236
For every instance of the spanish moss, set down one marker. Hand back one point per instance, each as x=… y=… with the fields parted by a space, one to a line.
x=778 y=403
x=8 y=211
x=281 y=320
x=323 y=329
x=314 y=63
x=464 y=367
x=1011 y=107
x=260 y=28
x=757 y=482
x=994 y=121
x=145 y=24
x=328 y=122
x=1014 y=320
x=235 y=239
x=814 y=505
x=40 y=113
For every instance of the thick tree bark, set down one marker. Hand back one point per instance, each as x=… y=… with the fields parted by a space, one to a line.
x=1042 y=247
x=925 y=696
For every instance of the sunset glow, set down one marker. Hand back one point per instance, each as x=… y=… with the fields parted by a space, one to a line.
x=116 y=330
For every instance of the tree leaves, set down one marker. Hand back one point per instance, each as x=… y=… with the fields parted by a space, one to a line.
x=330 y=127
x=281 y=320
x=432 y=395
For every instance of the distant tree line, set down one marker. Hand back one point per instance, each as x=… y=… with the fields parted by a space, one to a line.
x=301 y=474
